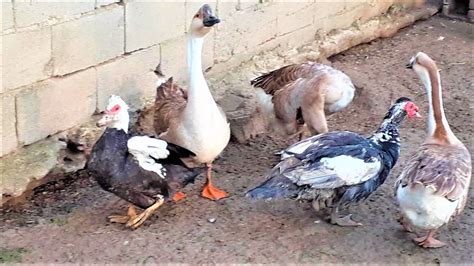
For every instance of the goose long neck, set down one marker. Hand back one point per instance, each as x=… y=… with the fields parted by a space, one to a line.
x=438 y=126
x=198 y=87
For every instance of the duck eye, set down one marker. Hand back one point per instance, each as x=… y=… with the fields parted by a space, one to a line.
x=196 y=16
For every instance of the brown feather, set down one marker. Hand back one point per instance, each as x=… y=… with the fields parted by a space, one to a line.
x=304 y=87
x=447 y=169
x=170 y=102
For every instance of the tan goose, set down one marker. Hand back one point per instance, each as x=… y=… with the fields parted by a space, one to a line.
x=433 y=186
x=192 y=118
x=303 y=94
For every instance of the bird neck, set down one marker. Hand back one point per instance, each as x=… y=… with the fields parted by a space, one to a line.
x=438 y=127
x=122 y=121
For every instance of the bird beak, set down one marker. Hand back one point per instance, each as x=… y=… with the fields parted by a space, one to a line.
x=209 y=19
x=411 y=63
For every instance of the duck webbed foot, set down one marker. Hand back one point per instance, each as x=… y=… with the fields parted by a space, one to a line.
x=123 y=219
x=210 y=191
x=342 y=221
x=135 y=222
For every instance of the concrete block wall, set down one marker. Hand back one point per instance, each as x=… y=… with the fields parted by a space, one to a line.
x=62 y=60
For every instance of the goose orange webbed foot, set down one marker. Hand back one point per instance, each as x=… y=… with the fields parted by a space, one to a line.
x=178 y=196
x=213 y=193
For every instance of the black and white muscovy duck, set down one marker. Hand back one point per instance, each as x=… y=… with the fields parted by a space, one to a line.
x=337 y=168
x=141 y=170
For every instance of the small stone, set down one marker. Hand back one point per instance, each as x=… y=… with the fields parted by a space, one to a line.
x=317 y=221
x=212 y=220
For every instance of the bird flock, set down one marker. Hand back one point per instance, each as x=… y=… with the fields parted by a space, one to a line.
x=331 y=170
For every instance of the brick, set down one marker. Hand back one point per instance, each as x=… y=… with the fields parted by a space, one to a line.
x=173 y=57
x=9 y=140
x=54 y=105
x=34 y=12
x=88 y=41
x=28 y=57
x=152 y=23
x=129 y=77
x=7 y=15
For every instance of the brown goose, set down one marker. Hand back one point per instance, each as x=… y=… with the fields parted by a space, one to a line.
x=433 y=186
x=191 y=118
x=303 y=94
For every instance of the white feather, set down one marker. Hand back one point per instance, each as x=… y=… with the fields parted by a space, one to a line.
x=298 y=147
x=352 y=170
x=423 y=209
x=145 y=149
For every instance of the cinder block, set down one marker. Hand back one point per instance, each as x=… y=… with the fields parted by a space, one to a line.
x=301 y=15
x=7 y=15
x=326 y=9
x=130 y=77
x=9 y=141
x=87 y=41
x=28 y=57
x=99 y=3
x=34 y=12
x=54 y=105
x=150 y=23
x=246 y=30
x=226 y=8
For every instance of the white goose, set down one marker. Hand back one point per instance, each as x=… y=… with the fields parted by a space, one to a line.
x=192 y=118
x=433 y=186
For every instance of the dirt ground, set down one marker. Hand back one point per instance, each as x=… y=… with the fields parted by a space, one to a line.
x=66 y=222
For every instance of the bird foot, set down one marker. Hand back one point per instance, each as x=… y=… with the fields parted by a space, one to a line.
x=344 y=221
x=428 y=242
x=179 y=196
x=213 y=193
x=123 y=219
x=135 y=222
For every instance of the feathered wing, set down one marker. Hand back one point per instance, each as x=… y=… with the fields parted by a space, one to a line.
x=333 y=139
x=320 y=165
x=170 y=102
x=281 y=78
x=446 y=170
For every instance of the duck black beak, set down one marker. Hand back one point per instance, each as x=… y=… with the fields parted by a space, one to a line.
x=209 y=19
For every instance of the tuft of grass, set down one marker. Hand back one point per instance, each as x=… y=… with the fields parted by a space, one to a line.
x=11 y=255
x=59 y=221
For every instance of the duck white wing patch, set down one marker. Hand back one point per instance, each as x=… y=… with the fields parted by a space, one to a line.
x=145 y=150
x=337 y=171
x=298 y=147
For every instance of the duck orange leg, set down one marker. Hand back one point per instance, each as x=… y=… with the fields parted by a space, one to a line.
x=210 y=191
x=429 y=241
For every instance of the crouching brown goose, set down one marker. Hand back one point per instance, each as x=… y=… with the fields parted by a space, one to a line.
x=338 y=168
x=302 y=95
x=141 y=170
x=433 y=186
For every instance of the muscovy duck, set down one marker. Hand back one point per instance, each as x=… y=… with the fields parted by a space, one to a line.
x=433 y=187
x=337 y=168
x=191 y=118
x=301 y=95
x=141 y=170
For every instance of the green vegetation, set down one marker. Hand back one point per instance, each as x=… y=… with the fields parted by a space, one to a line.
x=11 y=255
